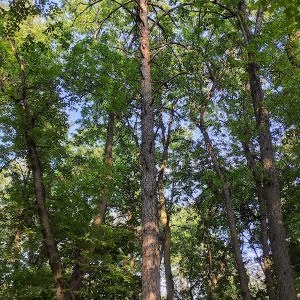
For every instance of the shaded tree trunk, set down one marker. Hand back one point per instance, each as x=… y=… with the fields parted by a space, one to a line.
x=262 y=211
x=102 y=204
x=99 y=217
x=49 y=241
x=283 y=268
x=150 y=229
x=16 y=248
x=164 y=220
x=36 y=168
x=212 y=276
x=243 y=278
x=230 y=216
x=282 y=264
x=231 y=220
x=163 y=213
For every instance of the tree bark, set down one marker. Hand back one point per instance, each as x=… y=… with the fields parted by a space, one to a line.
x=102 y=204
x=150 y=229
x=49 y=241
x=163 y=213
x=262 y=211
x=282 y=264
x=36 y=168
x=164 y=220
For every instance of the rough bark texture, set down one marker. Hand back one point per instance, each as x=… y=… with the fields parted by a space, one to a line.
x=283 y=268
x=282 y=264
x=262 y=211
x=49 y=241
x=36 y=168
x=150 y=229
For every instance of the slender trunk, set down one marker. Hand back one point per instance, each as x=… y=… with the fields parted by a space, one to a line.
x=36 y=168
x=102 y=204
x=230 y=216
x=262 y=211
x=212 y=276
x=16 y=248
x=49 y=241
x=163 y=213
x=226 y=193
x=263 y=224
x=164 y=220
x=282 y=264
x=150 y=229
x=78 y=273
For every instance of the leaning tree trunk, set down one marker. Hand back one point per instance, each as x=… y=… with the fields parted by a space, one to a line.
x=230 y=216
x=243 y=278
x=150 y=229
x=282 y=264
x=49 y=241
x=39 y=191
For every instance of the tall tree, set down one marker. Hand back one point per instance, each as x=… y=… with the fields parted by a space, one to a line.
x=283 y=269
x=150 y=229
x=225 y=190
x=23 y=48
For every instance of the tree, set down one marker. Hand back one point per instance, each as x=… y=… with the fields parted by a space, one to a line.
x=282 y=263
x=150 y=230
x=28 y=106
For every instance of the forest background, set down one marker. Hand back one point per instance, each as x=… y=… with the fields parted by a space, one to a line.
x=149 y=149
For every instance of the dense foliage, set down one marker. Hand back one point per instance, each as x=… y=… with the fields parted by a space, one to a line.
x=71 y=140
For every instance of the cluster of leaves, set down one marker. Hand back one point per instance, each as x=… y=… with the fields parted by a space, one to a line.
x=94 y=68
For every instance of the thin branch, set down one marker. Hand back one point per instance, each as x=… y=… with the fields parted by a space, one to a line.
x=166 y=13
x=168 y=80
x=112 y=12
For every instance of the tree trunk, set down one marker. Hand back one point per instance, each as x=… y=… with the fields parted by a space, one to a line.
x=262 y=211
x=102 y=204
x=36 y=168
x=212 y=276
x=226 y=193
x=77 y=276
x=263 y=224
x=282 y=264
x=164 y=220
x=49 y=241
x=16 y=248
x=150 y=229
x=163 y=213
x=231 y=220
